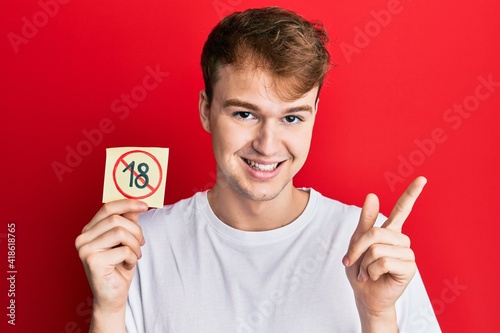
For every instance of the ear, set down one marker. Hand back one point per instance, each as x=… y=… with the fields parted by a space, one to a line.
x=204 y=111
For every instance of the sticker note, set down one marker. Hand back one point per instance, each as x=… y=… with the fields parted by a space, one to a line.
x=136 y=173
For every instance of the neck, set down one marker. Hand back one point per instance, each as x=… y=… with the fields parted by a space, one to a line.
x=240 y=212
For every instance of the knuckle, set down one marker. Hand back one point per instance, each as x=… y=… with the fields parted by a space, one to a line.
x=369 y=217
x=105 y=209
x=373 y=273
x=78 y=241
x=374 y=232
x=409 y=192
x=119 y=232
x=375 y=251
x=399 y=207
x=91 y=260
x=137 y=230
x=84 y=252
x=114 y=220
x=413 y=269
x=130 y=262
x=140 y=235
x=385 y=263
x=406 y=240
x=130 y=254
x=411 y=254
x=126 y=251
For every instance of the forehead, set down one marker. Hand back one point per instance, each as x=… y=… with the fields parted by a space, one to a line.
x=258 y=86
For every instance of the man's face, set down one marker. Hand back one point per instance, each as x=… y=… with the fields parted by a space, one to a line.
x=259 y=140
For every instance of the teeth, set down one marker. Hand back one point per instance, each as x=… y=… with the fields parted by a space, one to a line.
x=262 y=167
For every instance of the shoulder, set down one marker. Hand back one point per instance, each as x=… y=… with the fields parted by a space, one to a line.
x=343 y=213
x=326 y=206
x=172 y=216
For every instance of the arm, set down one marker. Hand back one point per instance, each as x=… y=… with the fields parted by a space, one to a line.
x=109 y=247
x=380 y=263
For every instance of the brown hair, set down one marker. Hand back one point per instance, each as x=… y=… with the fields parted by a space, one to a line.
x=279 y=41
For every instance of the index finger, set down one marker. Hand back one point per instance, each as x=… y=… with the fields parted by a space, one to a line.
x=405 y=203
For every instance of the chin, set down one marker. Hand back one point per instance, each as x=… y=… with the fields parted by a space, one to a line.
x=260 y=196
x=260 y=192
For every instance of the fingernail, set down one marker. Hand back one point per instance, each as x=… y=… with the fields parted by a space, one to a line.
x=143 y=241
x=345 y=261
x=360 y=277
x=144 y=206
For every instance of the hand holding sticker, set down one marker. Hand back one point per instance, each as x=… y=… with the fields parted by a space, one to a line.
x=136 y=173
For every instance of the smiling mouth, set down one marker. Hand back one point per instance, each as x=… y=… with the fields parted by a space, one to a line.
x=262 y=167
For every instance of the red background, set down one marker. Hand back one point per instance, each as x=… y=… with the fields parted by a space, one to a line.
x=395 y=89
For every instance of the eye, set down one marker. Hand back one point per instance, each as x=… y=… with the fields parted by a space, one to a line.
x=292 y=119
x=243 y=115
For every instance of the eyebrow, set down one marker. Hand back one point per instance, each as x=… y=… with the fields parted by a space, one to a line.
x=253 y=107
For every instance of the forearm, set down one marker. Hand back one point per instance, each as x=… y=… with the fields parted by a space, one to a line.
x=382 y=322
x=105 y=322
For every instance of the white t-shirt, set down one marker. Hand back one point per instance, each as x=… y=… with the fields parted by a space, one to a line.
x=198 y=274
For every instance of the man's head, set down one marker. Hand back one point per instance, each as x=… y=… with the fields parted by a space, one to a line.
x=263 y=69
x=283 y=44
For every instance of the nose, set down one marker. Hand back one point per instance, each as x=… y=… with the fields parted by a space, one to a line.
x=266 y=140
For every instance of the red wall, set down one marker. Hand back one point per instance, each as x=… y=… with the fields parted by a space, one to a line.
x=389 y=111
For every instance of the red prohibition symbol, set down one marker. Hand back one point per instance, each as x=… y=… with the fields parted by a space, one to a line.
x=138 y=178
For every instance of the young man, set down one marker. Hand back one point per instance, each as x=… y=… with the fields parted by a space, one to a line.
x=254 y=253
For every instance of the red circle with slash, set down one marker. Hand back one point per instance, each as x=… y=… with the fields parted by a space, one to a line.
x=121 y=159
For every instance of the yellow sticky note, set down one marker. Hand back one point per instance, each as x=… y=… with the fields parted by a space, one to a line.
x=136 y=173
